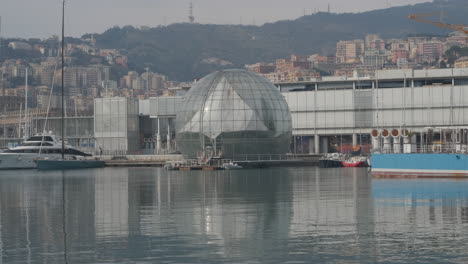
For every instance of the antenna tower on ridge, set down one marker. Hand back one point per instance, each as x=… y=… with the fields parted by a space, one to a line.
x=191 y=17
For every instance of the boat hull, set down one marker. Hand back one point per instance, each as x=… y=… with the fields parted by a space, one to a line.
x=358 y=164
x=416 y=165
x=69 y=164
x=324 y=163
x=17 y=161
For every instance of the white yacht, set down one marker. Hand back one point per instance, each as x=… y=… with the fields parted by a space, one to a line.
x=43 y=146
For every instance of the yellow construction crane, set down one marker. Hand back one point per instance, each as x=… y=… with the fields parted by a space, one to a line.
x=421 y=18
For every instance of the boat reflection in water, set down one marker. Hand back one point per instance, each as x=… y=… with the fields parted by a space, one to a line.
x=277 y=215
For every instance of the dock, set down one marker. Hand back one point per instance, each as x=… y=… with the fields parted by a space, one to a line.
x=182 y=164
x=139 y=160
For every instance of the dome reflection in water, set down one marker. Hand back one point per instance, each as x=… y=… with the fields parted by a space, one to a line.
x=275 y=215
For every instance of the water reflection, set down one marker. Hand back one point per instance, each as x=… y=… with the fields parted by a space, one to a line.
x=300 y=215
x=425 y=216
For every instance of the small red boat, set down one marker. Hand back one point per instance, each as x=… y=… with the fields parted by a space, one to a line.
x=355 y=162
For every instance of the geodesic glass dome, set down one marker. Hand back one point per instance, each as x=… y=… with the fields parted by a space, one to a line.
x=235 y=113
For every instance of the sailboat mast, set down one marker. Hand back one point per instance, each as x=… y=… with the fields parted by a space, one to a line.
x=26 y=128
x=63 y=83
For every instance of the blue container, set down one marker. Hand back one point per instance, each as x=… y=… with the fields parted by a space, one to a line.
x=419 y=165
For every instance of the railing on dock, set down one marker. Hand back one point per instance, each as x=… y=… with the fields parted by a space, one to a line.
x=461 y=149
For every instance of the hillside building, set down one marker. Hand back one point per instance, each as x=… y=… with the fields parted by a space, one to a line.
x=18 y=45
x=462 y=62
x=376 y=58
x=430 y=51
x=262 y=68
x=349 y=51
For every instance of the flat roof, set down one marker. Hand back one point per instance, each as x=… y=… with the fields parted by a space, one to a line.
x=390 y=75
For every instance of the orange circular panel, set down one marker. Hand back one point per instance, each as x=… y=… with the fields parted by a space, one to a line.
x=385 y=133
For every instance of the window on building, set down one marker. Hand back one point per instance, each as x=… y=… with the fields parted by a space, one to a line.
x=362 y=85
x=420 y=83
x=335 y=85
x=459 y=82
x=392 y=84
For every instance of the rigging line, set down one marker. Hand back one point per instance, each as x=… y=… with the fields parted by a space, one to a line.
x=48 y=104
x=52 y=86
x=63 y=78
x=459 y=105
x=431 y=90
x=297 y=122
x=3 y=89
x=376 y=90
x=404 y=100
x=462 y=106
x=412 y=103
x=334 y=113
x=306 y=117
x=315 y=118
x=357 y=95
x=375 y=103
x=343 y=122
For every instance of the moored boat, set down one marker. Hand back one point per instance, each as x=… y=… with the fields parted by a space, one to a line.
x=231 y=166
x=40 y=146
x=332 y=160
x=355 y=162
x=64 y=162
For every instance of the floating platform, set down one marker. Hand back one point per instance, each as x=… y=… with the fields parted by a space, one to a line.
x=188 y=165
x=202 y=168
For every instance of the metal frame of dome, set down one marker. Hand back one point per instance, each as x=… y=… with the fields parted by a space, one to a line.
x=234 y=112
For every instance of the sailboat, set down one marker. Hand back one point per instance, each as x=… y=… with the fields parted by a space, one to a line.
x=69 y=163
x=43 y=145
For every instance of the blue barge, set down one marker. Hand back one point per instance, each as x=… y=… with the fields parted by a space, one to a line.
x=417 y=165
x=438 y=152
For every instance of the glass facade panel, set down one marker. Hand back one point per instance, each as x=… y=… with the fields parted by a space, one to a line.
x=116 y=124
x=235 y=112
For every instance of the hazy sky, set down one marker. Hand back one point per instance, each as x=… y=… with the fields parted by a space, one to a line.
x=41 y=18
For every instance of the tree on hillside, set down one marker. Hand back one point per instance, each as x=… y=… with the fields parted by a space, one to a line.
x=84 y=59
x=455 y=53
x=9 y=53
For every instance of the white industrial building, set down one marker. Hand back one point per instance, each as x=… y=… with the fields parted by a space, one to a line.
x=350 y=108
x=130 y=126
x=325 y=113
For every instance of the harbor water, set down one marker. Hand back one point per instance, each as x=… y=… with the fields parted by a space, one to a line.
x=276 y=215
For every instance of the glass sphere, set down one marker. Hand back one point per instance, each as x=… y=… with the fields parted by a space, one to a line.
x=234 y=113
